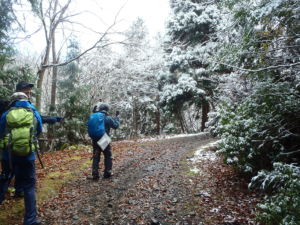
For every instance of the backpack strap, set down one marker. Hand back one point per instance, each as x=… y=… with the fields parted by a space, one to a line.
x=11 y=104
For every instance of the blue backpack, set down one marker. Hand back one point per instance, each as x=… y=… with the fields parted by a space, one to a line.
x=96 y=125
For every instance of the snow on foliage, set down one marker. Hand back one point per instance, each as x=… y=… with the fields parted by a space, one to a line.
x=186 y=84
x=284 y=205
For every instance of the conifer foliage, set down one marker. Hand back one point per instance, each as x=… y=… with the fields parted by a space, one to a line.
x=73 y=102
x=191 y=83
x=10 y=71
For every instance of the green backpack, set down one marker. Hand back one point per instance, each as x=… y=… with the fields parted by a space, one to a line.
x=19 y=138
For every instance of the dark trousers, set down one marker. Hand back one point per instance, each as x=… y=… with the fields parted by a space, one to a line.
x=96 y=160
x=27 y=180
x=18 y=186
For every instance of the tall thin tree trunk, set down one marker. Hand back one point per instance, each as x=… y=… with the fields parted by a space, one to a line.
x=180 y=120
x=158 y=117
x=158 y=122
x=54 y=76
x=205 y=111
x=53 y=92
x=54 y=21
x=41 y=74
x=135 y=120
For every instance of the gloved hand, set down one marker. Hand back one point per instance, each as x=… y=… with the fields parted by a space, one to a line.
x=58 y=118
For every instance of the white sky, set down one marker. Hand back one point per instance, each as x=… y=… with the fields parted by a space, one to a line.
x=153 y=12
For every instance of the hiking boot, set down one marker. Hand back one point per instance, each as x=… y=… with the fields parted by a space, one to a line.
x=19 y=195
x=96 y=177
x=10 y=190
x=108 y=175
x=93 y=178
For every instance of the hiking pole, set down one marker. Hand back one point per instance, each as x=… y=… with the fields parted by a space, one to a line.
x=38 y=155
x=37 y=151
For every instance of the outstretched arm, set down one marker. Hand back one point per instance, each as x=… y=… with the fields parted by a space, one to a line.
x=51 y=119
x=114 y=124
x=40 y=123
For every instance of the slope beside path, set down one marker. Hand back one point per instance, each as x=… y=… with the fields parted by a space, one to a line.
x=167 y=181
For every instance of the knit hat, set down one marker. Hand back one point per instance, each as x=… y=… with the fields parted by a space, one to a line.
x=104 y=106
x=19 y=96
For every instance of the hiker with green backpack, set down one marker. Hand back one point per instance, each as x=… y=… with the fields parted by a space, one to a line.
x=26 y=88
x=19 y=128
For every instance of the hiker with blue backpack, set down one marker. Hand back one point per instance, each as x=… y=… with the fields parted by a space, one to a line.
x=100 y=123
x=19 y=128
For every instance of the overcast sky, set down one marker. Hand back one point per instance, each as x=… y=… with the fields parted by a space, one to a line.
x=100 y=12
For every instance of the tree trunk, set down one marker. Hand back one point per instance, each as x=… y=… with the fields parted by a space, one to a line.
x=158 y=122
x=180 y=120
x=135 y=123
x=54 y=76
x=52 y=27
x=53 y=92
x=41 y=76
x=205 y=111
x=41 y=73
x=42 y=143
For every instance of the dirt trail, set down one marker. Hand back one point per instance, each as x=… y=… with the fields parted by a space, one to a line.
x=153 y=186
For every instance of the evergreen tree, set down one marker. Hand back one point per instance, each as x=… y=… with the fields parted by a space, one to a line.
x=72 y=100
x=10 y=74
x=191 y=83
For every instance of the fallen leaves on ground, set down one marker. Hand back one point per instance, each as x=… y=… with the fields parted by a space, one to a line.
x=153 y=184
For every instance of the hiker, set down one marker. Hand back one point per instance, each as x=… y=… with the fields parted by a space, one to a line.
x=17 y=190
x=26 y=88
x=19 y=128
x=102 y=109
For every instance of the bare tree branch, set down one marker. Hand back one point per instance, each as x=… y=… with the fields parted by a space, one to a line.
x=77 y=57
x=94 y=46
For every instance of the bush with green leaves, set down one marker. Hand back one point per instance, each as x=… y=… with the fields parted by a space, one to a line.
x=283 y=207
x=262 y=130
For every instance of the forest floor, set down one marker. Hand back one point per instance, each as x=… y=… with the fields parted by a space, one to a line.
x=167 y=181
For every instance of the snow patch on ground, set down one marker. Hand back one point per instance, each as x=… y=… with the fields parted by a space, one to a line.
x=195 y=170
x=160 y=137
x=203 y=153
x=204 y=194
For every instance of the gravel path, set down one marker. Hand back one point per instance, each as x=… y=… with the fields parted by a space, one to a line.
x=153 y=185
